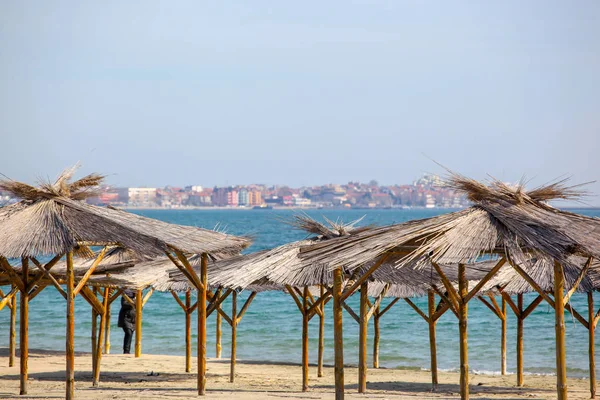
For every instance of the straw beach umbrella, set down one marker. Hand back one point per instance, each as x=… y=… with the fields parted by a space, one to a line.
x=51 y=220
x=505 y=221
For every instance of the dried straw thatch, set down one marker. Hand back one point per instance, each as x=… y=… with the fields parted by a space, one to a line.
x=51 y=219
x=503 y=220
x=274 y=269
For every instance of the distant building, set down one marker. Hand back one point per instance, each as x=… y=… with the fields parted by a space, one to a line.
x=255 y=198
x=232 y=198
x=243 y=197
x=141 y=196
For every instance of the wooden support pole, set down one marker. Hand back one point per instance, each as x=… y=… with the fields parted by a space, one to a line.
x=503 y=340
x=520 y=321
x=376 y=337
x=106 y=347
x=94 y=336
x=101 y=330
x=218 y=333
x=234 y=323
x=559 y=313
x=362 y=338
x=201 y=322
x=188 y=331
x=321 y=335
x=463 y=310
x=138 y=322
x=591 y=348
x=70 y=342
x=432 y=341
x=338 y=336
x=24 y=325
x=305 y=306
x=12 y=344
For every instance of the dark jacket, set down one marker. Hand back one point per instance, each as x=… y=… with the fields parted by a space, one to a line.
x=127 y=312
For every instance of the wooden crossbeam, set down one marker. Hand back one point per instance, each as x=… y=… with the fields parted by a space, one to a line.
x=48 y=266
x=91 y=298
x=417 y=309
x=115 y=296
x=245 y=306
x=50 y=277
x=147 y=296
x=488 y=305
x=485 y=279
x=452 y=293
x=578 y=280
x=350 y=311
x=15 y=279
x=217 y=302
x=188 y=268
x=36 y=290
x=532 y=307
x=387 y=308
x=364 y=277
x=178 y=300
x=6 y=298
x=533 y=284
x=577 y=316
x=496 y=306
x=441 y=310
x=377 y=303
x=315 y=306
x=128 y=299
x=90 y=271
x=293 y=295
x=446 y=300
x=512 y=304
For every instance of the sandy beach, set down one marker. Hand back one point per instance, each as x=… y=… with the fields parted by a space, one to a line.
x=163 y=377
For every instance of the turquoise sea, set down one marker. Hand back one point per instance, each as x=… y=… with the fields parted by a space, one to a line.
x=271 y=330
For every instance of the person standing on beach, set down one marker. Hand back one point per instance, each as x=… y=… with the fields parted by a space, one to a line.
x=127 y=320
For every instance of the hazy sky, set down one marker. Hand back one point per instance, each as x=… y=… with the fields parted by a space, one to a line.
x=301 y=93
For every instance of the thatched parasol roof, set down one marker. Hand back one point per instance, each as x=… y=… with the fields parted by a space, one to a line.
x=275 y=268
x=51 y=219
x=502 y=219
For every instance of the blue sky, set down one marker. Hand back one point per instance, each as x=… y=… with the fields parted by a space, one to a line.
x=301 y=93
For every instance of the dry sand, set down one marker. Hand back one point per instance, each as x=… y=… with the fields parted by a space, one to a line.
x=163 y=377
